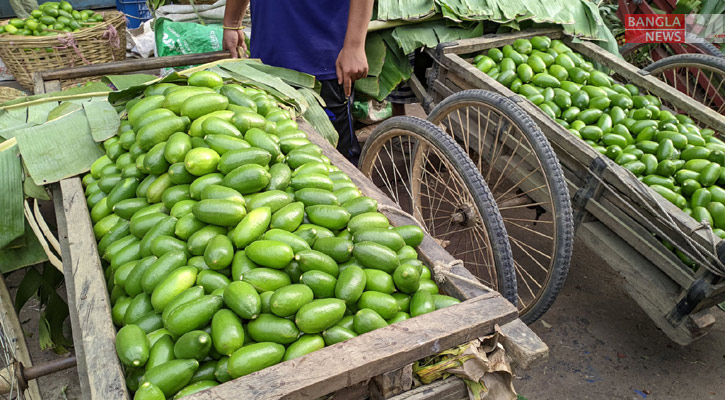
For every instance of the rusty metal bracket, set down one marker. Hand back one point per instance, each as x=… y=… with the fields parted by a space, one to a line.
x=587 y=191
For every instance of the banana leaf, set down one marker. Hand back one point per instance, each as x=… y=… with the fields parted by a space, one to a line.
x=11 y=193
x=58 y=149
x=411 y=37
x=32 y=189
x=375 y=51
x=64 y=108
x=31 y=253
x=316 y=116
x=369 y=86
x=388 y=10
x=13 y=117
x=38 y=114
x=102 y=119
x=121 y=82
x=244 y=73
x=291 y=77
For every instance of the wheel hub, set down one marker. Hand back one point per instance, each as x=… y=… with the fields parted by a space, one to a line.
x=464 y=215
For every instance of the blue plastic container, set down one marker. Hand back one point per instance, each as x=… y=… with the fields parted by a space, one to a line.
x=136 y=12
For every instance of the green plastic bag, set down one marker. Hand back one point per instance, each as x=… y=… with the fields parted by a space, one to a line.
x=179 y=38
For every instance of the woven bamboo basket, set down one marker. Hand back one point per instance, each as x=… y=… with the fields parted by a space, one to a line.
x=7 y=94
x=104 y=42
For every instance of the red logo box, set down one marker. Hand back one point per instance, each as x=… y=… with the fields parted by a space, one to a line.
x=654 y=28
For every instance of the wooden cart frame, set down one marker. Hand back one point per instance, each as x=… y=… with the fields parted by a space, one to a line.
x=615 y=215
x=382 y=357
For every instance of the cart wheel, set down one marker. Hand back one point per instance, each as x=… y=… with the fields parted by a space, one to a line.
x=528 y=184
x=12 y=347
x=429 y=176
x=643 y=54
x=699 y=76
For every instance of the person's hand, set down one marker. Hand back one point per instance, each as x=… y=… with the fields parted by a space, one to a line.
x=233 y=39
x=351 y=65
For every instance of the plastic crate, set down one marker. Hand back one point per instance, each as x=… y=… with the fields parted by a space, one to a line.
x=137 y=11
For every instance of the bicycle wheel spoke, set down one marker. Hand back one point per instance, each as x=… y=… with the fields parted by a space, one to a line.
x=522 y=206
x=533 y=221
x=534 y=232
x=528 y=246
x=520 y=272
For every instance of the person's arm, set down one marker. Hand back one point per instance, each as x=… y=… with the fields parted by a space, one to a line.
x=233 y=38
x=352 y=62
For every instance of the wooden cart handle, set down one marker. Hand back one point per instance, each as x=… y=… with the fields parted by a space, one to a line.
x=132 y=65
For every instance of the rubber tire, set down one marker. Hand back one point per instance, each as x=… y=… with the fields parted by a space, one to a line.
x=706 y=47
x=688 y=60
x=564 y=240
x=474 y=182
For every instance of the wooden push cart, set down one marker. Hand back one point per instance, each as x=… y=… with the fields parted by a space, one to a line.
x=615 y=215
x=379 y=357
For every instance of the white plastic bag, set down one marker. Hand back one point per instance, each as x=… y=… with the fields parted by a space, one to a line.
x=141 y=41
x=5 y=74
x=209 y=13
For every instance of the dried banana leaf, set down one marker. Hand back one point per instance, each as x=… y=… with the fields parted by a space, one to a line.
x=91 y=87
x=41 y=147
x=11 y=193
x=102 y=119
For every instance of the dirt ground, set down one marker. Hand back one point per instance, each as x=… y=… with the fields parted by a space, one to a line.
x=602 y=346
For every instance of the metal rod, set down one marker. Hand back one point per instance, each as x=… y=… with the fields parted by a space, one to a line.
x=48 y=368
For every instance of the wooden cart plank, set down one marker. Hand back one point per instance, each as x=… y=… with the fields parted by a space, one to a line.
x=653 y=291
x=360 y=358
x=88 y=300
x=461 y=283
x=448 y=389
x=525 y=349
x=495 y=40
x=132 y=65
x=640 y=239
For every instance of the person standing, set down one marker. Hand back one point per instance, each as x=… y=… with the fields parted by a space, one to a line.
x=324 y=38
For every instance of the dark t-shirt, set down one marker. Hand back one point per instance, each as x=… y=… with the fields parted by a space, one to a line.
x=304 y=35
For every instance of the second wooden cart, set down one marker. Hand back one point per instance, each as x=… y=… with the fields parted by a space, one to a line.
x=615 y=215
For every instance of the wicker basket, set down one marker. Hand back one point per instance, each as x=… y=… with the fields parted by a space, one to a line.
x=8 y=93
x=25 y=55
